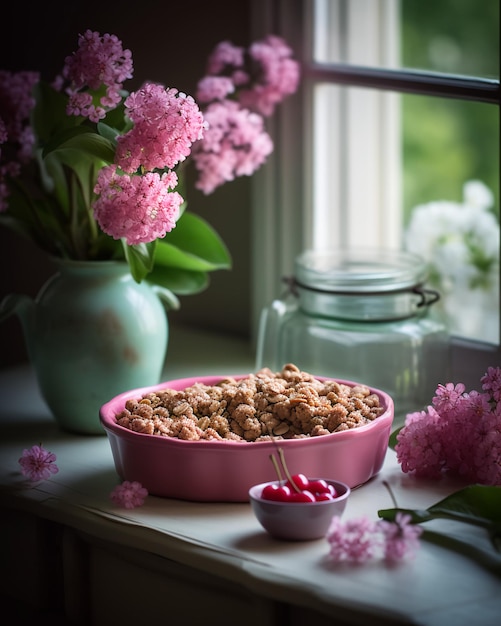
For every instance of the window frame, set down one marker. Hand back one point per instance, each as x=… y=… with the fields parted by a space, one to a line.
x=281 y=191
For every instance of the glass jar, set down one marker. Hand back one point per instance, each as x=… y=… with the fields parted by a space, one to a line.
x=363 y=316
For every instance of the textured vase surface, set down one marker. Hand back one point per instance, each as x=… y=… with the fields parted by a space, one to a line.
x=92 y=333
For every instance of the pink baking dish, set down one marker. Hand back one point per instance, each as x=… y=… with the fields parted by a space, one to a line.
x=224 y=471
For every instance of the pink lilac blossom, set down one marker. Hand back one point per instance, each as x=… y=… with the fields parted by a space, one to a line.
x=213 y=88
x=16 y=135
x=166 y=124
x=265 y=74
x=225 y=55
x=235 y=144
x=129 y=494
x=278 y=76
x=361 y=540
x=240 y=88
x=352 y=540
x=37 y=463
x=139 y=209
x=401 y=538
x=491 y=383
x=99 y=61
x=460 y=434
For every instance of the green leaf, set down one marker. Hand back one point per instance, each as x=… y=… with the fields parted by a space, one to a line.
x=49 y=113
x=479 y=505
x=475 y=503
x=116 y=119
x=35 y=216
x=84 y=141
x=140 y=259
x=393 y=438
x=108 y=132
x=482 y=557
x=181 y=282
x=193 y=245
x=53 y=178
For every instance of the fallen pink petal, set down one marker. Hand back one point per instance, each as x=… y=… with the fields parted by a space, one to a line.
x=361 y=540
x=355 y=540
x=129 y=494
x=37 y=463
x=401 y=538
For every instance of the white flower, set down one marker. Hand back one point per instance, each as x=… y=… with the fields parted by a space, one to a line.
x=476 y=194
x=459 y=241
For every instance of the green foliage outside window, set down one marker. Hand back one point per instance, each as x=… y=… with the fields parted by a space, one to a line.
x=448 y=142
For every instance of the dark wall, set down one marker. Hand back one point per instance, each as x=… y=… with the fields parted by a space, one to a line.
x=170 y=42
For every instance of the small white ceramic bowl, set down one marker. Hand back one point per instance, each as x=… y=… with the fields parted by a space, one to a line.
x=298 y=521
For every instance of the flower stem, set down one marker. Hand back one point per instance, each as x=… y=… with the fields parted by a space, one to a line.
x=390 y=491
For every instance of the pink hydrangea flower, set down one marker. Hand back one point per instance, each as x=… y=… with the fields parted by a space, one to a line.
x=447 y=396
x=16 y=135
x=419 y=445
x=459 y=433
x=235 y=144
x=37 y=463
x=166 y=124
x=491 y=383
x=129 y=494
x=139 y=209
x=241 y=86
x=213 y=88
x=277 y=79
x=99 y=61
x=265 y=74
x=225 y=55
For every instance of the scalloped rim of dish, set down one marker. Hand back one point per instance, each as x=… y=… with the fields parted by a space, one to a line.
x=109 y=410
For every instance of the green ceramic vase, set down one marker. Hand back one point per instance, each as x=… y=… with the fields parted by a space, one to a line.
x=91 y=333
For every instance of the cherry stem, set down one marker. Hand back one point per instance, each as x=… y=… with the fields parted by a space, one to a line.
x=286 y=470
x=284 y=464
x=277 y=467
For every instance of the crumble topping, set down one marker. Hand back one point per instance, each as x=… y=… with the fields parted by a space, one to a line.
x=290 y=404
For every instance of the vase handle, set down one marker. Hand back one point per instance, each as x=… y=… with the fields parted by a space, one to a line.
x=15 y=304
x=170 y=300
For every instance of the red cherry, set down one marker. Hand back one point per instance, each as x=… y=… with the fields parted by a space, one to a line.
x=276 y=492
x=300 y=481
x=301 y=496
x=321 y=497
x=319 y=486
x=322 y=486
x=333 y=491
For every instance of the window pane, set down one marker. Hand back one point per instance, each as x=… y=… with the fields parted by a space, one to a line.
x=356 y=169
x=455 y=36
x=451 y=205
x=418 y=172
x=452 y=36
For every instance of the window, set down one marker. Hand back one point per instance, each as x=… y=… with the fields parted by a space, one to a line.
x=338 y=172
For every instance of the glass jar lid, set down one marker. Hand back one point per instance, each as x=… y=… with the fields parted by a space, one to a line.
x=359 y=270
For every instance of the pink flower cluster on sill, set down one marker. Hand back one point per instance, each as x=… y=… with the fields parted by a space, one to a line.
x=129 y=494
x=37 y=463
x=357 y=540
x=459 y=433
x=361 y=540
